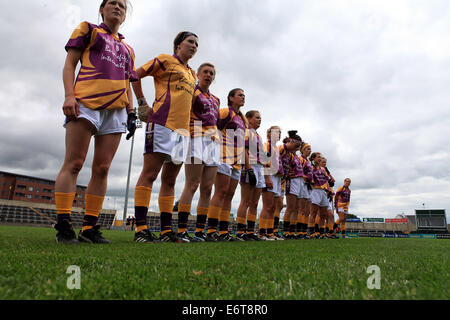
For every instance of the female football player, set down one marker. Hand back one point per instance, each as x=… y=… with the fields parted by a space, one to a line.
x=272 y=191
x=232 y=125
x=98 y=103
x=167 y=132
x=342 y=202
x=250 y=187
x=319 y=196
x=204 y=153
x=293 y=172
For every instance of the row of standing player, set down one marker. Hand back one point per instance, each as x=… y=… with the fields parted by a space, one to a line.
x=100 y=102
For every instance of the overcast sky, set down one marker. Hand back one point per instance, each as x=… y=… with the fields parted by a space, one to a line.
x=364 y=82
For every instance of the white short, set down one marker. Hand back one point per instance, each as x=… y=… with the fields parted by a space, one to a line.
x=330 y=205
x=160 y=139
x=204 y=150
x=276 y=181
x=293 y=186
x=258 y=169
x=105 y=121
x=305 y=192
x=341 y=210
x=319 y=197
x=228 y=170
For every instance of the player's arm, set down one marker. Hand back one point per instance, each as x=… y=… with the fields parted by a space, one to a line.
x=70 y=107
x=336 y=197
x=137 y=85
x=143 y=107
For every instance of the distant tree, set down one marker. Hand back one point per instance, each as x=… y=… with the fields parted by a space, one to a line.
x=352 y=216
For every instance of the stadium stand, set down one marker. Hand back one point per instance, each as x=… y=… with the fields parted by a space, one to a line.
x=21 y=213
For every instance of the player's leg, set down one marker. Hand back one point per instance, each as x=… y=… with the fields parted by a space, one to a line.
x=253 y=212
x=241 y=218
x=221 y=185
x=206 y=184
x=153 y=163
x=276 y=216
x=77 y=140
x=193 y=174
x=104 y=152
x=224 y=215
x=291 y=207
x=266 y=215
x=166 y=200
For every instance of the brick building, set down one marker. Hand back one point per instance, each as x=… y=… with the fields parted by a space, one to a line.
x=25 y=188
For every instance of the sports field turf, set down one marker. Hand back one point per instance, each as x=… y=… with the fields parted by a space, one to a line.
x=33 y=266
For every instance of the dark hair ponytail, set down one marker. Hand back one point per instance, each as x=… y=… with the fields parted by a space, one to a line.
x=180 y=38
x=313 y=157
x=231 y=94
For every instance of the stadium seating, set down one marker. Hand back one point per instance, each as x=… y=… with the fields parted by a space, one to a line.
x=22 y=214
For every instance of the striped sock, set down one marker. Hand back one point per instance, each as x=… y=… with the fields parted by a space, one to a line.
x=262 y=226
x=94 y=205
x=269 y=226
x=166 y=209
x=183 y=217
x=311 y=228
x=261 y=223
x=64 y=202
x=142 y=196
x=276 y=224
x=202 y=215
x=241 y=225
x=213 y=219
x=292 y=226
x=251 y=222
x=286 y=225
x=224 y=218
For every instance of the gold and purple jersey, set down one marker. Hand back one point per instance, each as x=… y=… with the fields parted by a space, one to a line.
x=107 y=67
x=307 y=168
x=273 y=154
x=174 y=91
x=320 y=179
x=255 y=147
x=342 y=198
x=233 y=127
x=204 y=115
x=291 y=163
x=329 y=188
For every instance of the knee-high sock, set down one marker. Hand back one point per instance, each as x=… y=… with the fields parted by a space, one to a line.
x=142 y=196
x=183 y=216
x=202 y=215
x=213 y=218
x=251 y=222
x=241 y=225
x=224 y=218
x=64 y=202
x=166 y=209
x=94 y=205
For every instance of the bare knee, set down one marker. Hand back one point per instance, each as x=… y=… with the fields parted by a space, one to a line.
x=74 y=166
x=229 y=195
x=205 y=191
x=169 y=182
x=101 y=170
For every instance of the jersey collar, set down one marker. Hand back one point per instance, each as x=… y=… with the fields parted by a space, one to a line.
x=104 y=26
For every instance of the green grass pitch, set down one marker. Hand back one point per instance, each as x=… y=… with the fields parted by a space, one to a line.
x=33 y=266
